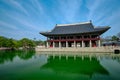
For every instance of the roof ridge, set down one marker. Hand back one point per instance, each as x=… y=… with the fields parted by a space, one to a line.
x=57 y=25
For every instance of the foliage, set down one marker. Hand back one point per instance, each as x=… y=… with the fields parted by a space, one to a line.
x=14 y=44
x=26 y=43
x=3 y=41
x=115 y=38
x=112 y=38
x=107 y=38
x=39 y=42
x=118 y=35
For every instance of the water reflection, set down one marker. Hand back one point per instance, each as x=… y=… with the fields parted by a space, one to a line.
x=112 y=65
x=9 y=55
x=83 y=66
x=27 y=65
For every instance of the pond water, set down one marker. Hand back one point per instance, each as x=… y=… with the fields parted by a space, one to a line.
x=29 y=65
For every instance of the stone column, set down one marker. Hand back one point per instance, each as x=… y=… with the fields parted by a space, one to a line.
x=53 y=44
x=75 y=44
x=82 y=43
x=99 y=43
x=90 y=43
x=59 y=44
x=47 y=44
x=66 y=44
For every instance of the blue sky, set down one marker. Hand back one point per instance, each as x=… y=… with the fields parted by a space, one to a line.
x=26 y=18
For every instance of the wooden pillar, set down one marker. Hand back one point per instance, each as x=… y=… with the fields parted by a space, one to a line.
x=59 y=37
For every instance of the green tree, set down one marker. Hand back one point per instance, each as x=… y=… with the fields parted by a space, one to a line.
x=115 y=38
x=39 y=42
x=3 y=41
x=10 y=43
x=118 y=34
x=26 y=43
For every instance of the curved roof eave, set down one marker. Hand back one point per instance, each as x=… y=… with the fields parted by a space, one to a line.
x=97 y=30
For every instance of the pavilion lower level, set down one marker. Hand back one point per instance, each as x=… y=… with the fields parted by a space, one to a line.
x=73 y=41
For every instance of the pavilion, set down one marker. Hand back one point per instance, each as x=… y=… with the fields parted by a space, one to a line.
x=83 y=34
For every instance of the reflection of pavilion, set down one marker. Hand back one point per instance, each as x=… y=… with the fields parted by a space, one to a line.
x=76 y=66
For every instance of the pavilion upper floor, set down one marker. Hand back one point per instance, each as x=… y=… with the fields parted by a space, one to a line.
x=74 y=37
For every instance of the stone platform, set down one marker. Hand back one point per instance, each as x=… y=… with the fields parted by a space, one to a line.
x=109 y=49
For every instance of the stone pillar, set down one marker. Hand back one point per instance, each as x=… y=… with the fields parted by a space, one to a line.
x=82 y=43
x=59 y=44
x=53 y=44
x=75 y=44
x=90 y=43
x=47 y=44
x=99 y=43
x=66 y=44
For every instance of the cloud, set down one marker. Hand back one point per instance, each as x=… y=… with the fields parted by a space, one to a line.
x=92 y=8
x=4 y=25
x=38 y=6
x=19 y=34
x=101 y=10
x=98 y=10
x=32 y=16
x=13 y=20
x=17 y=5
x=114 y=17
x=69 y=9
x=22 y=21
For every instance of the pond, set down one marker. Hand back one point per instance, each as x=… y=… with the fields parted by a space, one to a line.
x=29 y=65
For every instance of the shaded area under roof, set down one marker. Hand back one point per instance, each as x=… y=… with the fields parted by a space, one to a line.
x=79 y=28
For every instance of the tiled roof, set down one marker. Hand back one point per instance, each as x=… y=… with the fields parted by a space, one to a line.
x=77 y=28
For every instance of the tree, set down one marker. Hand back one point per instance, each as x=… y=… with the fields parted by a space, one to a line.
x=10 y=43
x=118 y=35
x=107 y=38
x=26 y=43
x=3 y=41
x=115 y=38
x=39 y=42
x=14 y=44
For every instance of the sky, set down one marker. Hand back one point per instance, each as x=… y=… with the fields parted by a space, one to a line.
x=26 y=18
